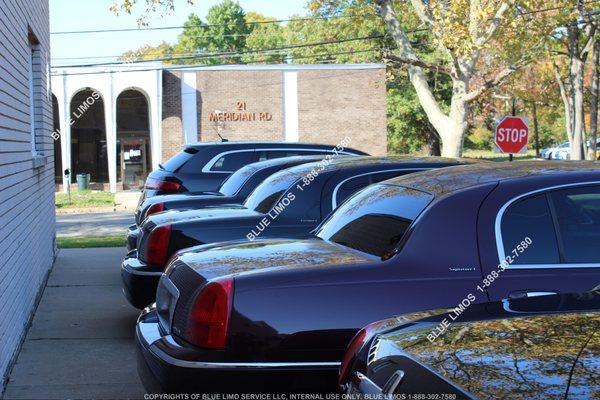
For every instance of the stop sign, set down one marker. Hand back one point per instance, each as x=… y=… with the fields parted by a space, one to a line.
x=512 y=135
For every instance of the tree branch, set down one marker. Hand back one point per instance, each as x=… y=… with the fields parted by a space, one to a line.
x=494 y=25
x=422 y=11
x=401 y=61
x=418 y=79
x=489 y=84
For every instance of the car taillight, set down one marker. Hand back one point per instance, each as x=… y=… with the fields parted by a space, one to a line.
x=163 y=186
x=353 y=348
x=157 y=245
x=209 y=317
x=155 y=208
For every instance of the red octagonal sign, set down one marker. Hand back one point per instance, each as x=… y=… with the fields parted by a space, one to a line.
x=512 y=135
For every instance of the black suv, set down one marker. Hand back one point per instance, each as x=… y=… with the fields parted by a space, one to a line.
x=202 y=167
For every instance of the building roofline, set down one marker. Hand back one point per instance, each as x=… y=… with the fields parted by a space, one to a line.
x=150 y=66
x=276 y=67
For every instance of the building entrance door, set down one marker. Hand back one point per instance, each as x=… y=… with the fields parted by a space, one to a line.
x=134 y=167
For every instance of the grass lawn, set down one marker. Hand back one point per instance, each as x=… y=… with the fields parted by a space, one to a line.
x=80 y=242
x=83 y=199
x=490 y=155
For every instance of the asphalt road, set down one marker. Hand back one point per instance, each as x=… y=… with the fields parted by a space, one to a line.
x=80 y=344
x=94 y=224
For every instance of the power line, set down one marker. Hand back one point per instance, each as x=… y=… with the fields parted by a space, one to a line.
x=231 y=54
x=141 y=29
x=206 y=66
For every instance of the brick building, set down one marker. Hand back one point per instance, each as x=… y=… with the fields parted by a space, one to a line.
x=119 y=122
x=26 y=169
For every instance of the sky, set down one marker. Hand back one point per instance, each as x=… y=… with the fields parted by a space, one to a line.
x=78 y=15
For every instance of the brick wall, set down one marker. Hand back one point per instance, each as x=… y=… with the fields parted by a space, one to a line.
x=172 y=129
x=27 y=226
x=247 y=104
x=333 y=104
x=231 y=91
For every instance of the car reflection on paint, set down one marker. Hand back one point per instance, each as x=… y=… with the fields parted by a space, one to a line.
x=536 y=348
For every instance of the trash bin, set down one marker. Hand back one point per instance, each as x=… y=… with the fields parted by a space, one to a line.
x=83 y=182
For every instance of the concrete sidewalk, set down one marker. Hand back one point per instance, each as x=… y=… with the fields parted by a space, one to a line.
x=80 y=344
x=94 y=224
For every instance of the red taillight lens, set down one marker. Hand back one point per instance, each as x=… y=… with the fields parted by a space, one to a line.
x=355 y=345
x=155 y=208
x=158 y=245
x=163 y=186
x=209 y=317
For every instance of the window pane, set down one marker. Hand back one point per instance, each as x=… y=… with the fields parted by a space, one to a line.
x=375 y=219
x=578 y=215
x=177 y=161
x=530 y=218
x=233 y=162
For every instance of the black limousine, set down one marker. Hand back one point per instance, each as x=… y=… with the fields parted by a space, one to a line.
x=202 y=167
x=232 y=316
x=289 y=204
x=234 y=190
x=544 y=347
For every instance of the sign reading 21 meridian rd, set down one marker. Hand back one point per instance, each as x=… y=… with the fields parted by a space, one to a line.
x=512 y=135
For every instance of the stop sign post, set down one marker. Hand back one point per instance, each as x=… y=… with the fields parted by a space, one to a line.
x=512 y=135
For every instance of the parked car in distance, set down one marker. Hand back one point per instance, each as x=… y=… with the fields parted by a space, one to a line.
x=536 y=348
x=230 y=311
x=289 y=203
x=202 y=167
x=234 y=190
x=549 y=152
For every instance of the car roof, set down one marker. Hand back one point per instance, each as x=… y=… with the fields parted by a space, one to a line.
x=250 y=143
x=275 y=162
x=347 y=163
x=452 y=179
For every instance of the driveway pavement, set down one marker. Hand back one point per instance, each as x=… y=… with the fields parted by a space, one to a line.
x=94 y=224
x=80 y=344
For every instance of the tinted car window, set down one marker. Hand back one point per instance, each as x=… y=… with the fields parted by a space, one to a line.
x=531 y=218
x=178 y=160
x=375 y=219
x=352 y=185
x=272 y=154
x=578 y=216
x=234 y=183
x=233 y=161
x=267 y=193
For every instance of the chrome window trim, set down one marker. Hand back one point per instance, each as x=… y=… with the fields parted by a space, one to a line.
x=498 y=231
x=237 y=365
x=335 y=190
x=207 y=167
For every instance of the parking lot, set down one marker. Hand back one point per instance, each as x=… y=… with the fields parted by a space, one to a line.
x=80 y=343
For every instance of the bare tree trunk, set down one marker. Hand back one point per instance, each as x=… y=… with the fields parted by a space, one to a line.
x=595 y=88
x=432 y=142
x=576 y=70
x=536 y=133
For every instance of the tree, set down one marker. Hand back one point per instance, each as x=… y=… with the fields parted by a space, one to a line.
x=482 y=43
x=269 y=35
x=147 y=52
x=575 y=40
x=151 y=6
x=225 y=31
x=594 y=93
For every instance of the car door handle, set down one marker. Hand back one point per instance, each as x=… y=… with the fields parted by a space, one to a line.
x=520 y=294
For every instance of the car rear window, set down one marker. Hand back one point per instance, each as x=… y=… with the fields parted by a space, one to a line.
x=234 y=183
x=376 y=219
x=267 y=193
x=177 y=161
